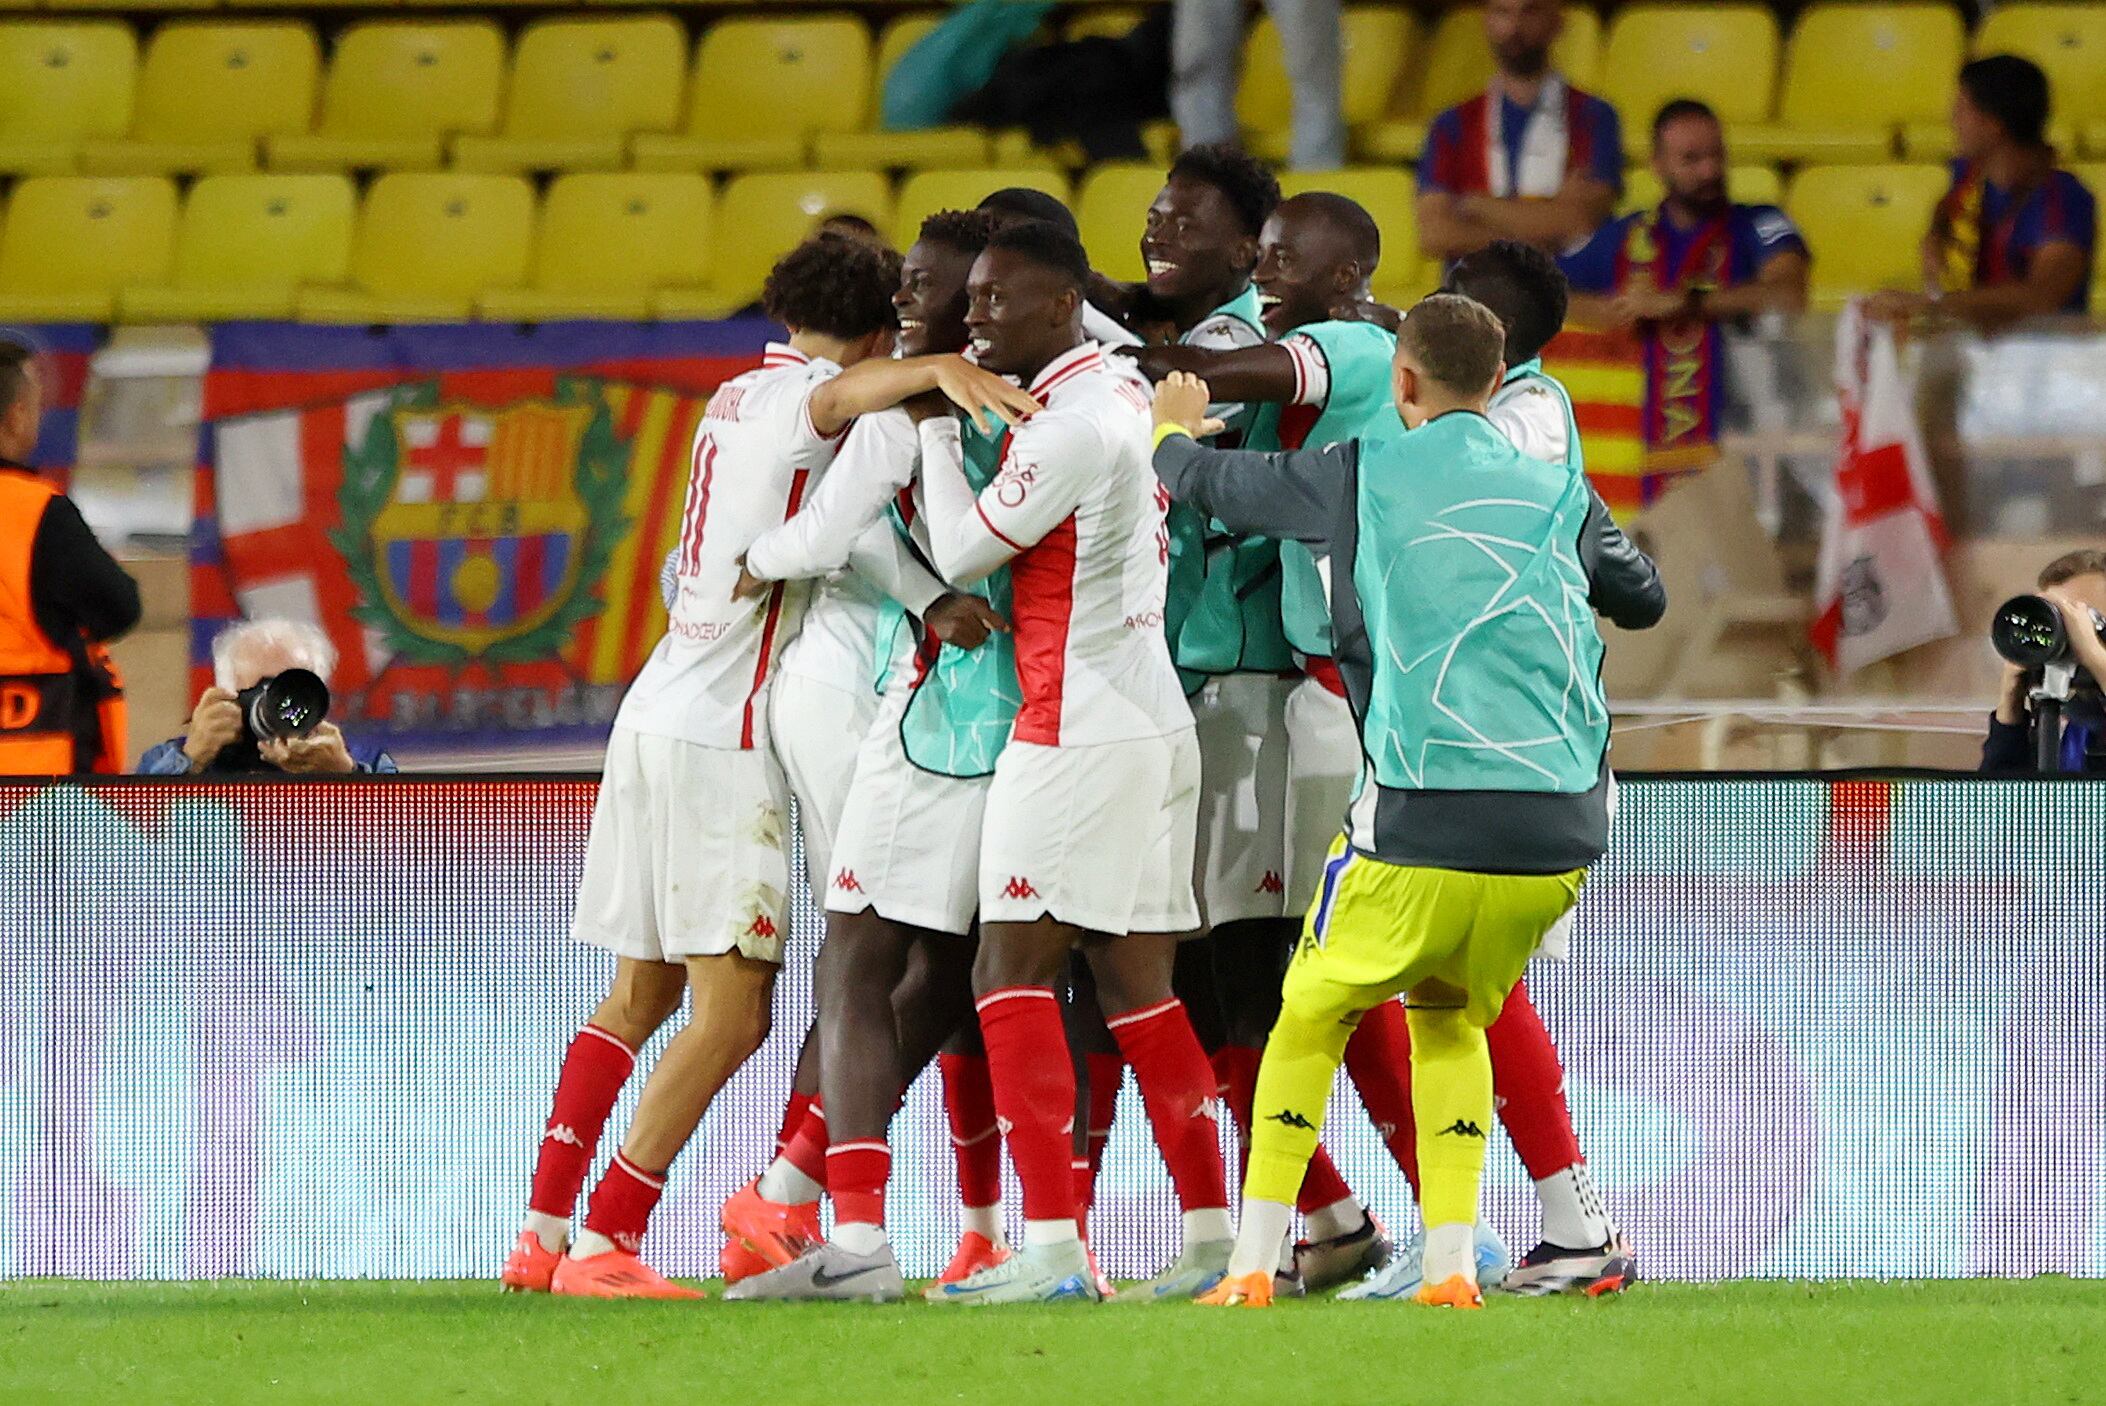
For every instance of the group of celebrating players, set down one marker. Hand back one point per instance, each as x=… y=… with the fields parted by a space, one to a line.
x=1079 y=619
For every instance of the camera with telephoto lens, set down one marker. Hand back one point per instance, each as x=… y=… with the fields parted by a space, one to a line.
x=2029 y=631
x=289 y=704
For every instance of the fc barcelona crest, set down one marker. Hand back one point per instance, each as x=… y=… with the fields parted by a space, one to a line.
x=481 y=532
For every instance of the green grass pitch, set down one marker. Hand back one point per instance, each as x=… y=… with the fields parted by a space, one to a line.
x=1774 y=1343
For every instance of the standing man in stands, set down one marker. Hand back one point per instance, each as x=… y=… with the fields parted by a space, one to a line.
x=1530 y=158
x=1206 y=53
x=2016 y=234
x=62 y=598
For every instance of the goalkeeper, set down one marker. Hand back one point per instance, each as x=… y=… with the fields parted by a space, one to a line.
x=1462 y=573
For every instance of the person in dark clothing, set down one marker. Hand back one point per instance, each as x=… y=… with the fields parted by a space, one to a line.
x=62 y=598
x=2076 y=582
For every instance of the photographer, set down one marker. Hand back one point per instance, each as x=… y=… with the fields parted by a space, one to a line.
x=219 y=737
x=2076 y=583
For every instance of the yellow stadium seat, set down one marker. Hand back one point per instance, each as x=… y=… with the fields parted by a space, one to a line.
x=925 y=192
x=1934 y=141
x=1747 y=185
x=1112 y=209
x=762 y=87
x=208 y=92
x=1375 y=45
x=62 y=84
x=395 y=92
x=608 y=241
x=156 y=6
x=246 y=246
x=1865 y=226
x=580 y=88
x=1853 y=75
x=1102 y=22
x=71 y=242
x=766 y=214
x=1724 y=55
x=917 y=150
x=2068 y=41
x=1403 y=276
x=1455 y=64
x=429 y=244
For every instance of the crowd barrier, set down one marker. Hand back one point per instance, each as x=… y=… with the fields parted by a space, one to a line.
x=1812 y=1027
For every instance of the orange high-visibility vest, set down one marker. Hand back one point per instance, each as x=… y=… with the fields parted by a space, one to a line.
x=40 y=684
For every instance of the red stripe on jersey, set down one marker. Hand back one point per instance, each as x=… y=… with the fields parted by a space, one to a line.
x=1068 y=373
x=1013 y=546
x=1042 y=606
x=767 y=639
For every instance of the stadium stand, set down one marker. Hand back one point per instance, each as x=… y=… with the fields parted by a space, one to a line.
x=246 y=245
x=1376 y=43
x=923 y=193
x=1723 y=55
x=1854 y=74
x=1454 y=64
x=428 y=245
x=607 y=242
x=1111 y=207
x=916 y=150
x=209 y=92
x=1867 y=224
x=71 y=243
x=770 y=211
x=396 y=93
x=761 y=88
x=579 y=90
x=62 y=84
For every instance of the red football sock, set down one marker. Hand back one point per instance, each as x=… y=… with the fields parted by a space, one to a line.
x=1237 y=1068
x=1378 y=1060
x=806 y=1149
x=1528 y=1085
x=1177 y=1087
x=855 y=1179
x=1085 y=1191
x=594 y=1070
x=1034 y=1093
x=1106 y=1073
x=1321 y=1185
x=792 y=1119
x=976 y=1144
x=622 y=1203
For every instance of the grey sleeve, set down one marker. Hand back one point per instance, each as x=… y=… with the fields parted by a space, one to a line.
x=1622 y=582
x=1295 y=496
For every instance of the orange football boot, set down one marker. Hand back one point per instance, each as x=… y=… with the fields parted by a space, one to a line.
x=775 y=1232
x=529 y=1267
x=736 y=1262
x=975 y=1253
x=1456 y=1291
x=615 y=1275
x=1241 y=1291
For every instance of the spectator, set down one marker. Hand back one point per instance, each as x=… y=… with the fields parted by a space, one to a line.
x=2016 y=234
x=1678 y=271
x=62 y=598
x=1531 y=158
x=2076 y=582
x=1206 y=48
x=217 y=737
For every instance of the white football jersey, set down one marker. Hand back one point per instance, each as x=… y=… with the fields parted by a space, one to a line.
x=754 y=452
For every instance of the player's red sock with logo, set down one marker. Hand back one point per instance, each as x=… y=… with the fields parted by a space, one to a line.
x=1106 y=1073
x=792 y=1118
x=1378 y=1060
x=976 y=1144
x=594 y=1070
x=622 y=1203
x=1528 y=1088
x=1177 y=1087
x=856 y=1173
x=1034 y=1097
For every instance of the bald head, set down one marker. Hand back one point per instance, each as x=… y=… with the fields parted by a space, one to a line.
x=1316 y=251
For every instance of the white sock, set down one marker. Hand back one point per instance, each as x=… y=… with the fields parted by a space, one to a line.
x=1450 y=1250
x=1211 y=1223
x=1339 y=1218
x=590 y=1243
x=787 y=1186
x=1287 y=1255
x=1258 y=1242
x=1051 y=1232
x=550 y=1230
x=1573 y=1214
x=984 y=1220
x=859 y=1237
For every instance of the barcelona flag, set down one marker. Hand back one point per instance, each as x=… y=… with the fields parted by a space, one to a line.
x=476 y=515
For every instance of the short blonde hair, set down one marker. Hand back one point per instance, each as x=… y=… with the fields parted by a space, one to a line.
x=1458 y=342
x=305 y=644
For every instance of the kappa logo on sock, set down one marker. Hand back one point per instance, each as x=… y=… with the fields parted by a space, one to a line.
x=846 y=882
x=1288 y=1118
x=1209 y=1109
x=1385 y=1131
x=564 y=1133
x=1018 y=887
x=1005 y=1125
x=630 y=1242
x=1461 y=1127
x=1271 y=883
x=762 y=926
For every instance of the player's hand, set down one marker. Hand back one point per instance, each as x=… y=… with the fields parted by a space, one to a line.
x=749 y=586
x=982 y=394
x=929 y=405
x=321 y=752
x=1182 y=400
x=1368 y=310
x=215 y=724
x=963 y=621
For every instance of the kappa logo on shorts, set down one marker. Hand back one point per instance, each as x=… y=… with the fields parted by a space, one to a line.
x=1271 y=883
x=763 y=926
x=846 y=882
x=1018 y=887
x=1461 y=1127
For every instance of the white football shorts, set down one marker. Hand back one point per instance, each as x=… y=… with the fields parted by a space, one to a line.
x=1240 y=722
